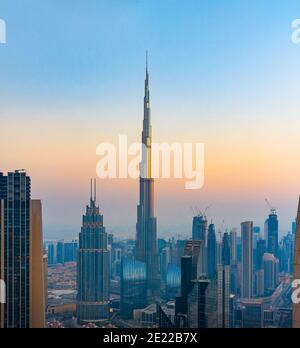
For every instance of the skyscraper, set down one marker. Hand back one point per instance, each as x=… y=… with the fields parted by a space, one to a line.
x=271 y=226
x=233 y=242
x=146 y=236
x=270 y=272
x=199 y=233
x=199 y=227
x=133 y=287
x=259 y=267
x=247 y=259
x=296 y=306
x=92 y=267
x=226 y=250
x=223 y=295
x=21 y=253
x=211 y=252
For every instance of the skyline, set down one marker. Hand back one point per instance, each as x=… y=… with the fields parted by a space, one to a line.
x=211 y=89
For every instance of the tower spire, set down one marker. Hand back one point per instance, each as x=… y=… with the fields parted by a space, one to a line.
x=91 y=195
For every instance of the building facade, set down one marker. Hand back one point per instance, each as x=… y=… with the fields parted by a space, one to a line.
x=146 y=235
x=247 y=259
x=93 y=265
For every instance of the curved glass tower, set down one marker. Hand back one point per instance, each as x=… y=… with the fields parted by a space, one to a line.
x=92 y=267
x=133 y=287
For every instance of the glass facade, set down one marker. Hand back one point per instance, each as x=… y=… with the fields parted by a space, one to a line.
x=93 y=268
x=15 y=247
x=133 y=286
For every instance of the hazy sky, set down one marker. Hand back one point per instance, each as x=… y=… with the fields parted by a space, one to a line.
x=224 y=73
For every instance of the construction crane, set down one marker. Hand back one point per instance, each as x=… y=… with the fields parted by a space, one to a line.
x=203 y=212
x=272 y=208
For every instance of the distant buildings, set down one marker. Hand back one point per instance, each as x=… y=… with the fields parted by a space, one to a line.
x=93 y=267
x=62 y=251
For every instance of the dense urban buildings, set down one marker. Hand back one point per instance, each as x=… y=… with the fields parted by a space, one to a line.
x=209 y=279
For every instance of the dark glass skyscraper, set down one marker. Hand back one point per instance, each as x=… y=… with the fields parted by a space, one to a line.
x=15 y=248
x=21 y=253
x=92 y=267
x=226 y=250
x=199 y=227
x=146 y=239
x=133 y=287
x=272 y=233
x=247 y=259
x=211 y=252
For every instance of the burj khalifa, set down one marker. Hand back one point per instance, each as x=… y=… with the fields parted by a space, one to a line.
x=146 y=236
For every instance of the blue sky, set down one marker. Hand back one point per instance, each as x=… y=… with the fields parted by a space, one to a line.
x=222 y=72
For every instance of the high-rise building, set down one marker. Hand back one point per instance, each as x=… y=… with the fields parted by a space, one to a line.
x=199 y=227
x=287 y=253
x=93 y=267
x=146 y=235
x=202 y=304
x=199 y=232
x=173 y=280
x=226 y=249
x=21 y=253
x=133 y=287
x=38 y=278
x=271 y=226
x=247 y=259
x=233 y=245
x=296 y=306
x=211 y=252
x=51 y=251
x=270 y=272
x=223 y=296
x=195 y=249
x=260 y=251
x=60 y=252
x=191 y=270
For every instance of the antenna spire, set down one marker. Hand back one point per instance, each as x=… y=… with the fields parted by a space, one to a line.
x=91 y=188
x=95 y=190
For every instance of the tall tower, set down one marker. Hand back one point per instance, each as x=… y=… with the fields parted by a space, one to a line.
x=92 y=267
x=21 y=253
x=247 y=258
x=146 y=240
x=211 y=252
x=296 y=306
x=271 y=226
